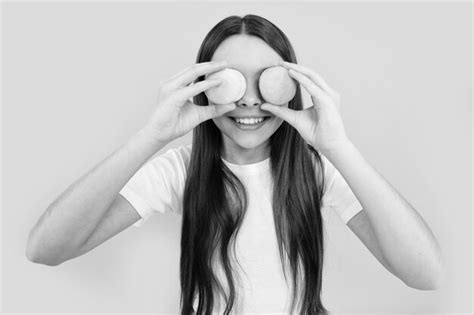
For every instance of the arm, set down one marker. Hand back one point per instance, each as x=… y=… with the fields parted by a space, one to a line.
x=406 y=241
x=91 y=210
x=68 y=222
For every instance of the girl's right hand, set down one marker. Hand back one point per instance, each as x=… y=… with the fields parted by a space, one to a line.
x=175 y=114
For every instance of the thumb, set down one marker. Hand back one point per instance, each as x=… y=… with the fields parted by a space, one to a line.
x=212 y=111
x=285 y=113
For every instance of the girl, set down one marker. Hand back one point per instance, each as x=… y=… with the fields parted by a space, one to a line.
x=251 y=194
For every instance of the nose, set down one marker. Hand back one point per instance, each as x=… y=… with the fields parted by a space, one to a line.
x=251 y=96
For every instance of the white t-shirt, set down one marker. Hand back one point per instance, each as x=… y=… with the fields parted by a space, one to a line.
x=158 y=186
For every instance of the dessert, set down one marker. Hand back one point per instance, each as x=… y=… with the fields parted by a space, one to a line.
x=231 y=89
x=276 y=85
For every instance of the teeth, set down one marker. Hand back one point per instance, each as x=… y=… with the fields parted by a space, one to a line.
x=249 y=121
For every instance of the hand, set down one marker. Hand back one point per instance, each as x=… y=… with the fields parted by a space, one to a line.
x=321 y=124
x=175 y=114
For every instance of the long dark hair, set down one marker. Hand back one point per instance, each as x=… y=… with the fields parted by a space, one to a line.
x=215 y=200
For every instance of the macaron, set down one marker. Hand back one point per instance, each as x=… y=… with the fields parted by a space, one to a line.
x=276 y=85
x=230 y=90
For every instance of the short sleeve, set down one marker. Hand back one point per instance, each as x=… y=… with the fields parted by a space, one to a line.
x=158 y=186
x=338 y=195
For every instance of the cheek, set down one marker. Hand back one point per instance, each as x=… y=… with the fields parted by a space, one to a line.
x=223 y=123
x=275 y=124
x=218 y=121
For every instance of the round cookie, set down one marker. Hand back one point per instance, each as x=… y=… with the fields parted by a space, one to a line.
x=276 y=85
x=230 y=90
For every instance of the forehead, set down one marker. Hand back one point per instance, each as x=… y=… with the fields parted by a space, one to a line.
x=248 y=54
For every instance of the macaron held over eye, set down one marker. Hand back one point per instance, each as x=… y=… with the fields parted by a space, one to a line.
x=230 y=90
x=275 y=84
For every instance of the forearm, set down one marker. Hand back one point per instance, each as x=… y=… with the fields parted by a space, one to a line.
x=75 y=214
x=406 y=241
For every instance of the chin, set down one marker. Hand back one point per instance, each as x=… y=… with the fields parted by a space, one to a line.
x=250 y=142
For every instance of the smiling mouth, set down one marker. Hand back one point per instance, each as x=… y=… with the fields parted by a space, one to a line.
x=249 y=122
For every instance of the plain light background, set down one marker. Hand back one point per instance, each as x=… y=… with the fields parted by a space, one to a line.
x=80 y=79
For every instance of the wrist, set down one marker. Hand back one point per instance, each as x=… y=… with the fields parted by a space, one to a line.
x=337 y=149
x=149 y=135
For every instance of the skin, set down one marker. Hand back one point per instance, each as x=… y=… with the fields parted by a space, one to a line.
x=389 y=226
x=250 y=55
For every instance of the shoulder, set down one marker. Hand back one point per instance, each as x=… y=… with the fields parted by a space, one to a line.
x=171 y=166
x=329 y=169
x=324 y=169
x=176 y=157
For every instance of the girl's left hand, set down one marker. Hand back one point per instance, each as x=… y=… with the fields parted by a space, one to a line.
x=321 y=124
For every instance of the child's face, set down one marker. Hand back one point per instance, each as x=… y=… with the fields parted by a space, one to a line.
x=250 y=55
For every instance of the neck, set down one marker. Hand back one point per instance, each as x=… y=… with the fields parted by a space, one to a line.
x=238 y=155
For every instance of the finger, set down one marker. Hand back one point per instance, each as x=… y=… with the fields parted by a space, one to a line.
x=196 y=88
x=187 y=69
x=283 y=112
x=317 y=94
x=213 y=111
x=192 y=73
x=310 y=73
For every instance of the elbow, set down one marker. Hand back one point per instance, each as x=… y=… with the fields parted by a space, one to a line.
x=37 y=259
x=438 y=279
x=35 y=255
x=434 y=283
x=430 y=281
x=31 y=254
x=432 y=272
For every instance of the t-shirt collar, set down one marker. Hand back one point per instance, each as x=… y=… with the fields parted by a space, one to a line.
x=252 y=168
